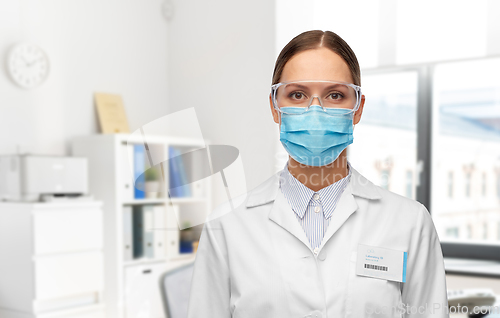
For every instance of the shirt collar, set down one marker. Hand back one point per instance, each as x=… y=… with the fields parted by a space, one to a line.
x=299 y=196
x=266 y=192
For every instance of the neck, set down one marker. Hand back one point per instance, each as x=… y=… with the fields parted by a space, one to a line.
x=316 y=178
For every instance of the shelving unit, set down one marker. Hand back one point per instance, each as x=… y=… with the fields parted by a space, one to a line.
x=131 y=286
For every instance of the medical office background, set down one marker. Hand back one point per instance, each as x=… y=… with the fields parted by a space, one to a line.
x=430 y=129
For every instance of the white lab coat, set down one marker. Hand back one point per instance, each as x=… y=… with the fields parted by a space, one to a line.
x=256 y=262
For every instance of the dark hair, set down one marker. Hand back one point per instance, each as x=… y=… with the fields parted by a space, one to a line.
x=315 y=39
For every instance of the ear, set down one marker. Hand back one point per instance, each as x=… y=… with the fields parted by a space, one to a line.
x=276 y=116
x=357 y=114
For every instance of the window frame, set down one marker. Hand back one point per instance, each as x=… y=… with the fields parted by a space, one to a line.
x=472 y=250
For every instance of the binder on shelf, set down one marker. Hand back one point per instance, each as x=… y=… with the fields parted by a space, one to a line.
x=139 y=167
x=186 y=190
x=196 y=168
x=197 y=189
x=127 y=233
x=175 y=188
x=148 y=235
x=137 y=231
x=127 y=177
x=179 y=186
x=172 y=233
x=159 y=231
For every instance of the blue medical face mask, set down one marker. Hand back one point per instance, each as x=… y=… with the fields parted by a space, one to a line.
x=316 y=137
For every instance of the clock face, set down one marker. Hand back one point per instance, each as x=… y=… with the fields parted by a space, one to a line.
x=28 y=65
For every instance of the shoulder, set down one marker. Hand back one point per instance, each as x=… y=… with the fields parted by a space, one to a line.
x=260 y=195
x=387 y=200
x=395 y=199
x=414 y=212
x=401 y=211
x=226 y=209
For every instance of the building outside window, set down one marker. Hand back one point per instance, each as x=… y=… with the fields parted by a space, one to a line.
x=450 y=184
x=409 y=184
x=385 y=176
x=484 y=184
x=498 y=185
x=467 y=183
x=452 y=232
x=466 y=135
x=498 y=231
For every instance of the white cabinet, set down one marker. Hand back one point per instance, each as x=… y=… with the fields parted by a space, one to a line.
x=60 y=230
x=142 y=297
x=51 y=260
x=68 y=274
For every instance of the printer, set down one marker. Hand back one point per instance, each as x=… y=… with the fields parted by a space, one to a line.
x=33 y=177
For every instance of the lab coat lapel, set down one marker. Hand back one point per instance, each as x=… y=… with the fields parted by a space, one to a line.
x=282 y=214
x=345 y=207
x=358 y=186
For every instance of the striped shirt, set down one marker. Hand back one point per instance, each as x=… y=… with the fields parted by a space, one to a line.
x=308 y=204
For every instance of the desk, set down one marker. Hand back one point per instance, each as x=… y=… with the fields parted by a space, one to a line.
x=495 y=314
x=472 y=267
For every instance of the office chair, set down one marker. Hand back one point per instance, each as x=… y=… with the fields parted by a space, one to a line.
x=175 y=286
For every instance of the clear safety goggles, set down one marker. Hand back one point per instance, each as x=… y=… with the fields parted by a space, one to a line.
x=329 y=95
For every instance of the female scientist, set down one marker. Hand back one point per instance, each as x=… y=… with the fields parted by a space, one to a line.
x=318 y=239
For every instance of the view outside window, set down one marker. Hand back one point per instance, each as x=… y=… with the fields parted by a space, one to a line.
x=385 y=140
x=440 y=38
x=466 y=150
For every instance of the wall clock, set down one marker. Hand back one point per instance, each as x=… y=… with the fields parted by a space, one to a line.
x=28 y=65
x=167 y=9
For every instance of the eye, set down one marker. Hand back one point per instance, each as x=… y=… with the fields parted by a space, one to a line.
x=335 y=96
x=296 y=95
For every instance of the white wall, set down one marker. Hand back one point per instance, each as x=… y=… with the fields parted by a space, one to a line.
x=109 y=46
x=221 y=59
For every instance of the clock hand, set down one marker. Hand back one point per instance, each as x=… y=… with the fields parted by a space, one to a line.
x=25 y=62
x=34 y=61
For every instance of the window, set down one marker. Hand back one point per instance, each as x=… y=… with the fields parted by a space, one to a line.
x=409 y=184
x=469 y=231
x=467 y=184
x=385 y=175
x=450 y=184
x=441 y=36
x=498 y=231
x=498 y=185
x=452 y=232
x=385 y=141
x=465 y=137
x=483 y=188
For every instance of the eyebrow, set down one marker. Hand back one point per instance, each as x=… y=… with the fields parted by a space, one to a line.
x=304 y=87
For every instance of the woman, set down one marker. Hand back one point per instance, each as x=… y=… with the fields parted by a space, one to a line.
x=318 y=239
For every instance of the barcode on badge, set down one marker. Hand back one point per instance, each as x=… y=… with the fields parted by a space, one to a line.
x=376 y=267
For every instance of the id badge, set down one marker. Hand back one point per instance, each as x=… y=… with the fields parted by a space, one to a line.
x=380 y=262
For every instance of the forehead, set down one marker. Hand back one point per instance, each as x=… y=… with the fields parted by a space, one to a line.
x=316 y=64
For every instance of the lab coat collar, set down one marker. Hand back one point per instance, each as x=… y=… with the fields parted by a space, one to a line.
x=266 y=192
x=281 y=213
